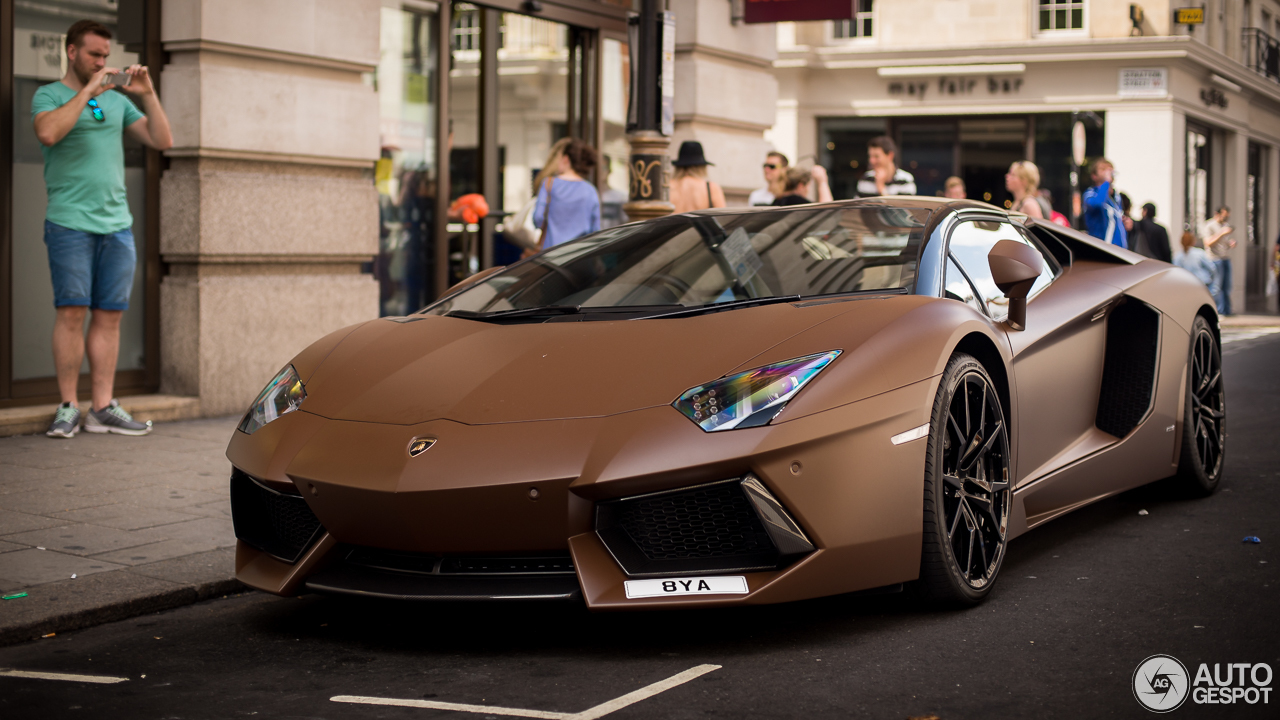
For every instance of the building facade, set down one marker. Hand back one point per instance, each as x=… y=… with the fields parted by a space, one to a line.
x=318 y=148
x=1189 y=114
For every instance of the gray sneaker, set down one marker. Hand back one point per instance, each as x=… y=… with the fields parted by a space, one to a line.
x=114 y=419
x=66 y=422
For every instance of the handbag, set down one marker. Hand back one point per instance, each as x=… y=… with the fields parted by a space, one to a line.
x=521 y=231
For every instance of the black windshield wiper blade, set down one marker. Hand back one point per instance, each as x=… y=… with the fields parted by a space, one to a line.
x=516 y=313
x=731 y=305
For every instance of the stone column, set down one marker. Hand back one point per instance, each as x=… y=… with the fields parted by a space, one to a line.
x=268 y=209
x=726 y=93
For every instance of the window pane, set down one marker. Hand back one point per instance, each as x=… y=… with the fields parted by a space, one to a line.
x=1044 y=19
x=1059 y=19
x=1077 y=18
x=970 y=243
x=958 y=288
x=866 y=28
x=38 y=59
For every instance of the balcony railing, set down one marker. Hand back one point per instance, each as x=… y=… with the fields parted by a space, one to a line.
x=1262 y=52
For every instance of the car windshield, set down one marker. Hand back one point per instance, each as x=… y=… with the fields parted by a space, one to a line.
x=707 y=260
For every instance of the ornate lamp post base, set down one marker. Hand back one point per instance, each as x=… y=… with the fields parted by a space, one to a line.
x=647 y=170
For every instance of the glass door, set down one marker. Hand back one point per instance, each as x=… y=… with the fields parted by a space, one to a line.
x=38 y=36
x=406 y=173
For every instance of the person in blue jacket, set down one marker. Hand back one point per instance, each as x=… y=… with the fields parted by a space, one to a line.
x=1103 y=217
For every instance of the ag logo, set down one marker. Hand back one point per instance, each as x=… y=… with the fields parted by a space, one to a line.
x=420 y=445
x=1160 y=683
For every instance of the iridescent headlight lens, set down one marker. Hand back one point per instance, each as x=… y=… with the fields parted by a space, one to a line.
x=751 y=398
x=281 y=396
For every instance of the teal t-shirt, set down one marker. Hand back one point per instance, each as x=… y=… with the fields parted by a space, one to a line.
x=84 y=172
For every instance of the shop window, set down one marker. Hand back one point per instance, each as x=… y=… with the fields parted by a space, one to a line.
x=1060 y=15
x=466 y=27
x=861 y=26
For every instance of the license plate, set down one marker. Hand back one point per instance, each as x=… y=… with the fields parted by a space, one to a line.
x=727 y=585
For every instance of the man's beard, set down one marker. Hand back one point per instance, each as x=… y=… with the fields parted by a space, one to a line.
x=83 y=74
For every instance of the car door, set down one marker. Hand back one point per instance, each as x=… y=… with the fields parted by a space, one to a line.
x=1057 y=359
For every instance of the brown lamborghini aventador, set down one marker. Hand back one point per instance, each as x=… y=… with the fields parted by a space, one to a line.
x=733 y=406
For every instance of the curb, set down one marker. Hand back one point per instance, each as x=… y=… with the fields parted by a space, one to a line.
x=166 y=599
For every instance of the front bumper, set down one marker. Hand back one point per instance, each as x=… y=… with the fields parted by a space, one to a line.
x=530 y=489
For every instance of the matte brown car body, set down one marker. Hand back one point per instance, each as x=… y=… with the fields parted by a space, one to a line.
x=533 y=427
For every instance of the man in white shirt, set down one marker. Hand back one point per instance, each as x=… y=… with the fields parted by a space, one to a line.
x=1218 y=246
x=775 y=167
x=885 y=177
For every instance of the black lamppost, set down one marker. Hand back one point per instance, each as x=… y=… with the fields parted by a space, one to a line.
x=647 y=166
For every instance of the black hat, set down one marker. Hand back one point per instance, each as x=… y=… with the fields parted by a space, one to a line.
x=690 y=154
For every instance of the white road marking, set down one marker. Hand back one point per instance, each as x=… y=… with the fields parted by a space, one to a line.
x=1230 y=335
x=67 y=677
x=594 y=713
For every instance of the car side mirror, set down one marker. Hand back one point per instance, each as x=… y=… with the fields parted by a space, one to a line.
x=1015 y=267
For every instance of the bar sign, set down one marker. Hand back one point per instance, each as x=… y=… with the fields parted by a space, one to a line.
x=1189 y=16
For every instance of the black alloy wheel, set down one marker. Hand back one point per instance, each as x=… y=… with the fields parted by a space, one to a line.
x=966 y=488
x=1204 y=422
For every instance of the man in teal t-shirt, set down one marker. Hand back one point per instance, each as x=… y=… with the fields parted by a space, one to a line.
x=87 y=229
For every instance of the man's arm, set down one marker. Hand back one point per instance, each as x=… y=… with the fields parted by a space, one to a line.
x=53 y=125
x=152 y=130
x=823 y=184
x=1096 y=197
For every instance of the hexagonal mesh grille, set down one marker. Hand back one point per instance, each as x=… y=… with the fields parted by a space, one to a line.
x=280 y=525
x=706 y=522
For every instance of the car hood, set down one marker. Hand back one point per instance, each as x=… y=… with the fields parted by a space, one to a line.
x=397 y=372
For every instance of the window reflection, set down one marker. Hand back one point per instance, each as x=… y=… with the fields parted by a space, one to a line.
x=406 y=175
x=970 y=243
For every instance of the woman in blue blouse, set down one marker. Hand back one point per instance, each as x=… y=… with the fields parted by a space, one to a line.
x=568 y=205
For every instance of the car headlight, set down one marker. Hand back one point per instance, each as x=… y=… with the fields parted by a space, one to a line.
x=281 y=396
x=751 y=398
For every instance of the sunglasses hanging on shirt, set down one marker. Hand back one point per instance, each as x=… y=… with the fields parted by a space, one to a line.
x=97 y=110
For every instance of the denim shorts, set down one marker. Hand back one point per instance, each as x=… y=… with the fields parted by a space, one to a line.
x=89 y=269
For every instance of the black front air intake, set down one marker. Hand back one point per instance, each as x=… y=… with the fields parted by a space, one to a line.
x=1129 y=370
x=278 y=524
x=729 y=526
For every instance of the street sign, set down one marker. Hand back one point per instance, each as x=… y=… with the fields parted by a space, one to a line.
x=768 y=11
x=1144 y=82
x=1189 y=16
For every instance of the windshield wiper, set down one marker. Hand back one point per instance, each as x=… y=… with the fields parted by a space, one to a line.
x=516 y=313
x=731 y=305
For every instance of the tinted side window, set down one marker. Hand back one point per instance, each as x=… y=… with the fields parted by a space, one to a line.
x=958 y=287
x=970 y=242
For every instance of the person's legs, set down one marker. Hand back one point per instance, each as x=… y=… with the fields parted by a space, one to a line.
x=114 y=262
x=1225 y=281
x=1217 y=290
x=71 y=260
x=68 y=349
x=104 y=350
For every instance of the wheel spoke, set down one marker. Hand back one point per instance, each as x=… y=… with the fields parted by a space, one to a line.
x=953 y=481
x=1209 y=384
x=956 y=522
x=986 y=447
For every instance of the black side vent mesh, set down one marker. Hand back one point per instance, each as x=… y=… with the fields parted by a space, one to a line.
x=277 y=524
x=1129 y=370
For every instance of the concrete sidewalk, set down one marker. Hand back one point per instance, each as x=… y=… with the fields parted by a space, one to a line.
x=103 y=527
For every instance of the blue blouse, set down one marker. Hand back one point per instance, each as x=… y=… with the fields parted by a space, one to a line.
x=575 y=211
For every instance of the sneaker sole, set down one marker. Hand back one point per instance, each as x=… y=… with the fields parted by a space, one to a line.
x=116 y=431
x=62 y=434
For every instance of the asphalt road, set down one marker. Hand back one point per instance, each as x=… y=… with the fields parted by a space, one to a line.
x=1079 y=604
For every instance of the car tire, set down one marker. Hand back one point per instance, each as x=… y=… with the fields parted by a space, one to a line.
x=1204 y=417
x=966 y=488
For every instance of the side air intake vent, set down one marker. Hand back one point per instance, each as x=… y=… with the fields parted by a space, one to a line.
x=733 y=525
x=277 y=524
x=1129 y=370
